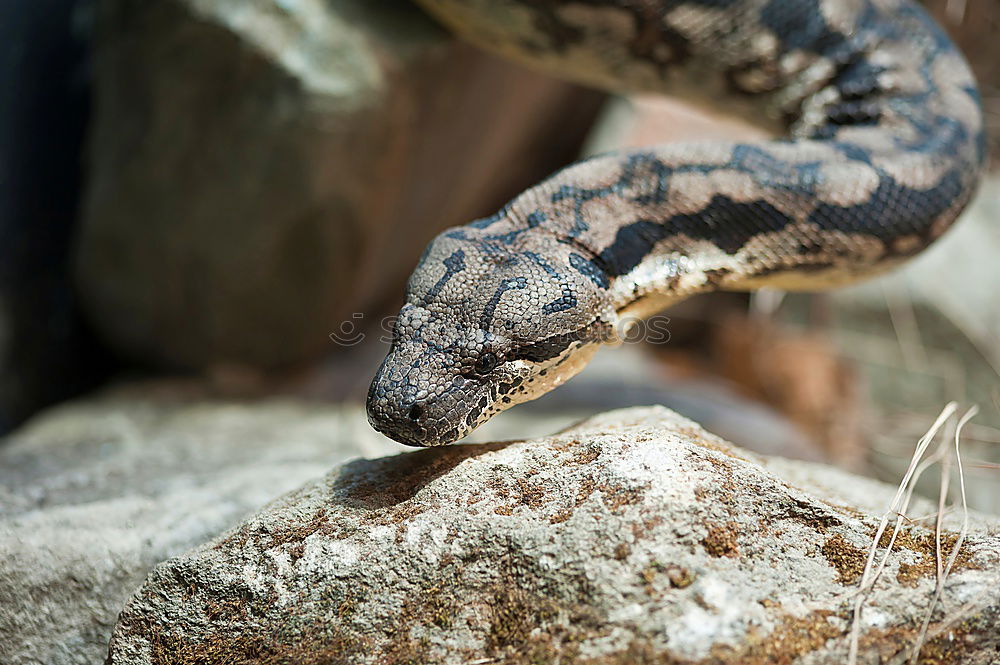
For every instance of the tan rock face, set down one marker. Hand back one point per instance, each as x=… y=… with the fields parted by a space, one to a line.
x=259 y=171
x=634 y=537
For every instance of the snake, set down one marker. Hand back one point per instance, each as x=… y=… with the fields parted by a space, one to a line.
x=877 y=144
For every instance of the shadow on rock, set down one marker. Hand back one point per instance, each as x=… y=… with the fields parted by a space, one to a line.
x=387 y=482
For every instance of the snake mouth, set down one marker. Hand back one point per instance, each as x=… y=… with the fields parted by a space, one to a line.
x=409 y=430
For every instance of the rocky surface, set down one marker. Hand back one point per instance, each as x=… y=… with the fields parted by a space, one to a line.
x=95 y=494
x=261 y=170
x=634 y=537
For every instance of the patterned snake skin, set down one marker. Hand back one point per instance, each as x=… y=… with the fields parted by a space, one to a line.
x=882 y=146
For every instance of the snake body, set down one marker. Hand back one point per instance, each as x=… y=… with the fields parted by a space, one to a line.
x=880 y=146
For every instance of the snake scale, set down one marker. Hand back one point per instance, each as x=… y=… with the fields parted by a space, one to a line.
x=879 y=145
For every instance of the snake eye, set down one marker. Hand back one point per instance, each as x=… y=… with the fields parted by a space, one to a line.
x=486 y=363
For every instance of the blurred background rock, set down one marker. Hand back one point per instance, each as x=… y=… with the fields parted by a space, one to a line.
x=259 y=171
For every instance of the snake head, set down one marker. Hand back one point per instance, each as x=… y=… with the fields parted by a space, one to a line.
x=486 y=325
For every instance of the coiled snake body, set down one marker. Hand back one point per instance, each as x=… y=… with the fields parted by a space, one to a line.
x=882 y=145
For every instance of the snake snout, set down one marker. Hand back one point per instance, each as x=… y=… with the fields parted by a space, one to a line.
x=400 y=419
x=410 y=425
x=403 y=426
x=396 y=416
x=407 y=407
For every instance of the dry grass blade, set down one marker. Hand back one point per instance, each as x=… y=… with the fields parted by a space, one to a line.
x=904 y=325
x=942 y=502
x=898 y=505
x=953 y=556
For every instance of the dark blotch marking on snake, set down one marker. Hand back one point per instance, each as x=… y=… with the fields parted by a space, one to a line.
x=453 y=265
x=727 y=223
x=590 y=270
x=550 y=347
x=491 y=306
x=567 y=300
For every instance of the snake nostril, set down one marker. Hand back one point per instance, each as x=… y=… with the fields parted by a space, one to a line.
x=415 y=412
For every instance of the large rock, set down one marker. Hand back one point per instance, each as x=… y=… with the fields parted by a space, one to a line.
x=261 y=170
x=633 y=538
x=93 y=495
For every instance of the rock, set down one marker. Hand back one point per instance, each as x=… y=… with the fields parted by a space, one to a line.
x=94 y=494
x=261 y=171
x=634 y=537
